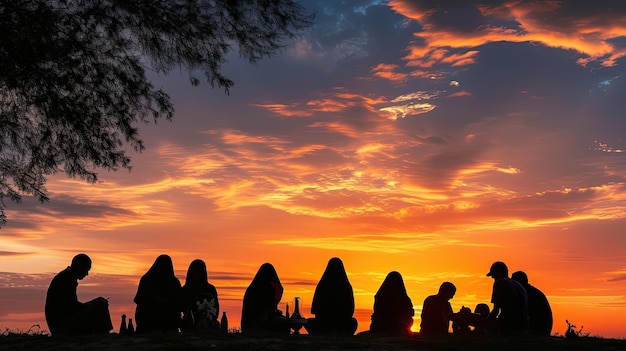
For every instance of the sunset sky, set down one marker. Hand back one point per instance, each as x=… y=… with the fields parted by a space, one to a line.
x=426 y=137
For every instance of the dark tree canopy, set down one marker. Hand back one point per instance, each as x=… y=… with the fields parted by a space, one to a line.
x=73 y=85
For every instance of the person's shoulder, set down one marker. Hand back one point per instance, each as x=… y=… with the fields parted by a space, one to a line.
x=534 y=290
x=516 y=284
x=507 y=284
x=65 y=274
x=206 y=287
x=502 y=282
x=431 y=298
x=63 y=280
x=532 y=287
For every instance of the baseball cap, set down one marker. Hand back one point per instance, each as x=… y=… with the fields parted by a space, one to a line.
x=499 y=269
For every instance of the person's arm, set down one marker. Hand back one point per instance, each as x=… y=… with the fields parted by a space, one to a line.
x=142 y=292
x=496 y=300
x=98 y=299
x=217 y=301
x=75 y=301
x=494 y=313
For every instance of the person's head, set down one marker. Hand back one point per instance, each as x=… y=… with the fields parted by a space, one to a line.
x=266 y=273
x=498 y=270
x=394 y=278
x=520 y=277
x=334 y=279
x=392 y=285
x=162 y=266
x=265 y=277
x=447 y=290
x=334 y=271
x=81 y=264
x=196 y=273
x=335 y=264
x=482 y=309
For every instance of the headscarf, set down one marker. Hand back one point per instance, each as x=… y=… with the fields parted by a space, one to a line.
x=260 y=301
x=393 y=309
x=333 y=297
x=197 y=288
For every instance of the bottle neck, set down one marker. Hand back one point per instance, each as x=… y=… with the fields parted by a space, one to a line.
x=296 y=309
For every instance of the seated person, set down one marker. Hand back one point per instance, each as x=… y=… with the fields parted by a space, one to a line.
x=157 y=298
x=66 y=315
x=437 y=311
x=260 y=312
x=333 y=302
x=393 y=309
x=199 y=315
x=462 y=320
x=482 y=311
x=539 y=311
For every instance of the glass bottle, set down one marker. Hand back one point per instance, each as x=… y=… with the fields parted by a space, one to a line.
x=123 y=329
x=296 y=309
x=224 y=323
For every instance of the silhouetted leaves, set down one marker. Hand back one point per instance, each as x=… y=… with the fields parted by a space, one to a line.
x=73 y=83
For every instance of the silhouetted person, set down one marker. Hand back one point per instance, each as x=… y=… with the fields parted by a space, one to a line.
x=333 y=302
x=510 y=301
x=157 y=298
x=462 y=320
x=66 y=315
x=539 y=311
x=393 y=309
x=482 y=311
x=437 y=311
x=259 y=312
x=196 y=290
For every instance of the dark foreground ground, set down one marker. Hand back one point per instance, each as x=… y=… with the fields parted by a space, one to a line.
x=239 y=342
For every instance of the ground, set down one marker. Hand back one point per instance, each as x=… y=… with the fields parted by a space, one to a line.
x=239 y=342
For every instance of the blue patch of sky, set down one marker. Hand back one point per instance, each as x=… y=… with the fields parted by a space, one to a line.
x=363 y=9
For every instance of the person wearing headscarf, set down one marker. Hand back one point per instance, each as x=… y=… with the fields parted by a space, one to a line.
x=333 y=302
x=157 y=298
x=199 y=302
x=260 y=312
x=393 y=309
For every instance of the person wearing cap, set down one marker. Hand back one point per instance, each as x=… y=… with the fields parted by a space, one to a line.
x=510 y=302
x=66 y=315
x=539 y=311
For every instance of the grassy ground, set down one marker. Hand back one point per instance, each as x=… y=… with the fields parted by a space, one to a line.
x=239 y=342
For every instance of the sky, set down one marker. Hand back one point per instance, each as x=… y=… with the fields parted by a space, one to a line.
x=430 y=138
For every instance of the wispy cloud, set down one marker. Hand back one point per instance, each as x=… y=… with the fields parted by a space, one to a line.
x=390 y=243
x=451 y=30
